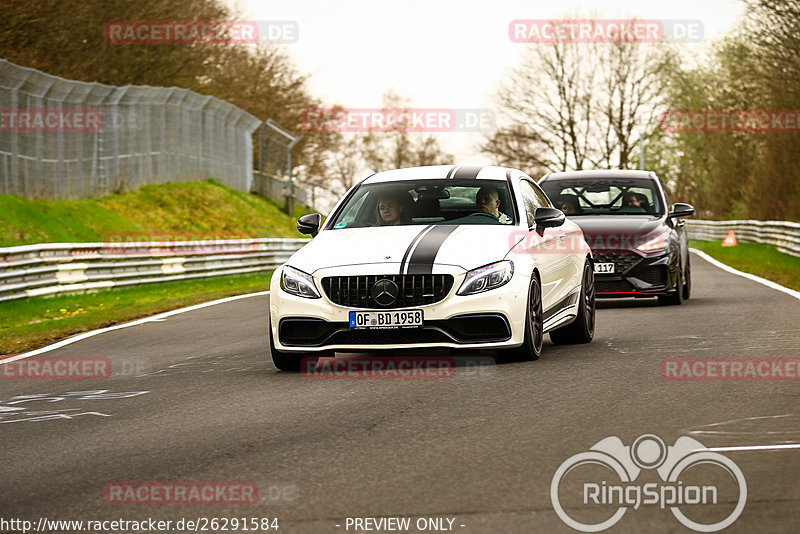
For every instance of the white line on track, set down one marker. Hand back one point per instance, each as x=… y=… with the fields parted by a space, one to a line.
x=754 y=447
x=749 y=276
x=144 y=320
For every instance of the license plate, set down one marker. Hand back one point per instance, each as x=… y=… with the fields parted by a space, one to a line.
x=604 y=267
x=386 y=319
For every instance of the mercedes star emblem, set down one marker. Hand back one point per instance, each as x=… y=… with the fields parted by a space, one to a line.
x=384 y=292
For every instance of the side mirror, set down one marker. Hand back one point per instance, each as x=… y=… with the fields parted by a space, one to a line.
x=309 y=224
x=548 y=217
x=681 y=210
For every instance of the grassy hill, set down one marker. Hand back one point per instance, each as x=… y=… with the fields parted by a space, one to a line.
x=192 y=209
x=196 y=210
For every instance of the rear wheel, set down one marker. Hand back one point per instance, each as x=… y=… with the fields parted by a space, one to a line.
x=687 y=282
x=581 y=330
x=531 y=347
x=290 y=361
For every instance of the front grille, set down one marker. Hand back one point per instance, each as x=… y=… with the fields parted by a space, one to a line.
x=655 y=275
x=612 y=286
x=414 y=289
x=622 y=261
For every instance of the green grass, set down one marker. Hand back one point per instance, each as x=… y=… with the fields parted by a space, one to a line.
x=175 y=211
x=762 y=260
x=191 y=209
x=29 y=323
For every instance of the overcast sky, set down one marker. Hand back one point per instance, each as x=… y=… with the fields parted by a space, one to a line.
x=440 y=53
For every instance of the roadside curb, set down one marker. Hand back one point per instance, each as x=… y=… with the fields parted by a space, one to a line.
x=754 y=278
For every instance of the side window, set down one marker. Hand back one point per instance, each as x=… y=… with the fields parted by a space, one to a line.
x=532 y=198
x=351 y=214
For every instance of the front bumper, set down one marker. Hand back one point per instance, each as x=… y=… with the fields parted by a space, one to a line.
x=635 y=274
x=489 y=320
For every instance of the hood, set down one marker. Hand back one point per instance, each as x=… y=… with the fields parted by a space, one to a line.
x=609 y=232
x=628 y=224
x=419 y=245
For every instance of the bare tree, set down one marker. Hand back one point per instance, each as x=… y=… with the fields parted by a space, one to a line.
x=398 y=147
x=570 y=105
x=631 y=97
x=346 y=163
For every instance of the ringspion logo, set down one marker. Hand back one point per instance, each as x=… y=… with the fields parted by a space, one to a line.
x=621 y=492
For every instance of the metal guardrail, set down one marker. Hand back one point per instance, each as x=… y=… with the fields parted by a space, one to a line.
x=47 y=269
x=783 y=234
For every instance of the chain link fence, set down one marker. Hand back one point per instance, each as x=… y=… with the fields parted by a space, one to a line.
x=274 y=164
x=63 y=139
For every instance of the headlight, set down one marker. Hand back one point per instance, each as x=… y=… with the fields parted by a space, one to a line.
x=487 y=277
x=298 y=283
x=659 y=242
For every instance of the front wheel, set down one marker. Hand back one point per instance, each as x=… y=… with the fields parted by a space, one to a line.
x=581 y=330
x=675 y=298
x=531 y=347
x=289 y=361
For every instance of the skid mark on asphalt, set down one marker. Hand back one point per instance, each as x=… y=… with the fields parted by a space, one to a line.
x=221 y=363
x=722 y=344
x=39 y=407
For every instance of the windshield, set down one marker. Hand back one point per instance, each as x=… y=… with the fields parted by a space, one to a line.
x=606 y=196
x=427 y=202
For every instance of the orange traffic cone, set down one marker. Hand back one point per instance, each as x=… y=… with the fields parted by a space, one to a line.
x=730 y=240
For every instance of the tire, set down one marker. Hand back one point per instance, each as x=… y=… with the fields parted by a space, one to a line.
x=675 y=298
x=687 y=280
x=531 y=347
x=581 y=330
x=289 y=361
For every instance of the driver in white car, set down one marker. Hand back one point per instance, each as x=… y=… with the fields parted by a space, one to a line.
x=487 y=200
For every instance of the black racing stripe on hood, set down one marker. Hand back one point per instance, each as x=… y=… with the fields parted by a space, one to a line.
x=411 y=247
x=421 y=261
x=467 y=171
x=450 y=172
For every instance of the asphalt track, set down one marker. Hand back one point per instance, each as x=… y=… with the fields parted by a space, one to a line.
x=198 y=400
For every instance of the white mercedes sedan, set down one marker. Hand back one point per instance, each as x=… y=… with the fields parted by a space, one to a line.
x=456 y=257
